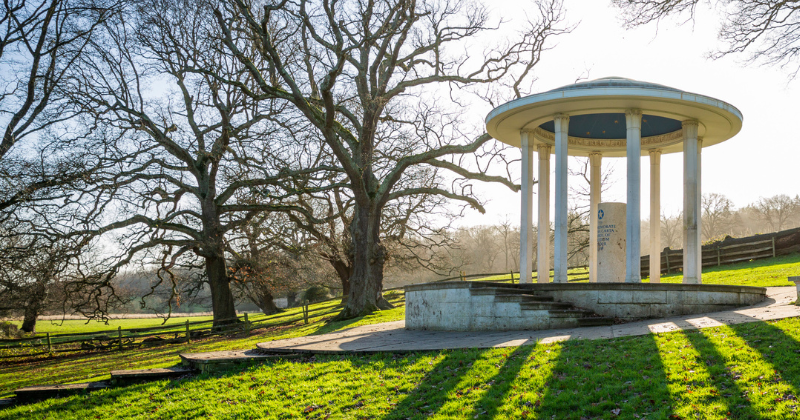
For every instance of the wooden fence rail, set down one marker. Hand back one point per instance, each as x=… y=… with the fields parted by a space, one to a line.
x=732 y=250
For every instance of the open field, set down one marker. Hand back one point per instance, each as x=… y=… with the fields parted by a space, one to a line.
x=763 y=273
x=744 y=371
x=748 y=371
x=91 y=366
x=760 y=273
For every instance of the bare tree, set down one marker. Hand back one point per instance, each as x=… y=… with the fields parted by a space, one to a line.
x=195 y=160
x=510 y=240
x=718 y=215
x=777 y=210
x=768 y=31
x=39 y=43
x=672 y=230
x=364 y=75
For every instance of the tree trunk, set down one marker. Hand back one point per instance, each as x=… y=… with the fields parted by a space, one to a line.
x=222 y=304
x=266 y=302
x=344 y=271
x=369 y=255
x=29 y=321
x=33 y=307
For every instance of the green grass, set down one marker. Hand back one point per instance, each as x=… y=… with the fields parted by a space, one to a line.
x=749 y=371
x=762 y=273
x=82 y=367
x=72 y=326
x=571 y=274
x=744 y=371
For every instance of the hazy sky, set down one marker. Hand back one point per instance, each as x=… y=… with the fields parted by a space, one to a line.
x=762 y=160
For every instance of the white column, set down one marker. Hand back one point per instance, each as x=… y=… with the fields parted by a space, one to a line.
x=655 y=216
x=595 y=162
x=699 y=211
x=691 y=204
x=560 y=243
x=526 y=211
x=543 y=240
x=633 y=237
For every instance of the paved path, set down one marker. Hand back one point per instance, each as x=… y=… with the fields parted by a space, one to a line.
x=393 y=337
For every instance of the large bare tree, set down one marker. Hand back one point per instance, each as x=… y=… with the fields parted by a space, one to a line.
x=40 y=42
x=380 y=83
x=194 y=159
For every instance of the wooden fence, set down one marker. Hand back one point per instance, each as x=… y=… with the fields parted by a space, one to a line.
x=732 y=250
x=120 y=339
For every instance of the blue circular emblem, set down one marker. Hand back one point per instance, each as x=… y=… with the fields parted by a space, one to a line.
x=600 y=214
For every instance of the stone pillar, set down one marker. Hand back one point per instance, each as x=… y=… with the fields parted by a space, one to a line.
x=595 y=162
x=560 y=245
x=633 y=272
x=543 y=240
x=611 y=242
x=691 y=204
x=699 y=210
x=526 y=210
x=655 y=216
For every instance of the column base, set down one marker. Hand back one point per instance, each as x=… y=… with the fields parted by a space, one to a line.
x=690 y=280
x=636 y=279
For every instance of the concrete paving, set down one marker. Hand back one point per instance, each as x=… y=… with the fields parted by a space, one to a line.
x=393 y=337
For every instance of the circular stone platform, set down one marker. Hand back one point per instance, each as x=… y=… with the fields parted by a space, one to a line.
x=486 y=306
x=393 y=337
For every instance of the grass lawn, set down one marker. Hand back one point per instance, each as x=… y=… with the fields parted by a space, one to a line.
x=744 y=371
x=71 y=326
x=749 y=371
x=83 y=367
x=762 y=273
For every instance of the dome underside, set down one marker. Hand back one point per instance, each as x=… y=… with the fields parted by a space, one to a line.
x=608 y=126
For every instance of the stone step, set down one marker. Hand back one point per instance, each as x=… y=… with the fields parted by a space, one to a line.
x=521 y=298
x=569 y=313
x=7 y=402
x=125 y=377
x=500 y=291
x=538 y=306
x=42 y=392
x=594 y=321
x=221 y=360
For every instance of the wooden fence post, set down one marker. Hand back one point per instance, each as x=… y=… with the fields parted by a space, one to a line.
x=305 y=311
x=773 y=247
x=188 y=336
x=49 y=344
x=512 y=277
x=246 y=323
x=119 y=336
x=719 y=259
x=666 y=255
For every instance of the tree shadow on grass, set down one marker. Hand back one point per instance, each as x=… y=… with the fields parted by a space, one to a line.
x=501 y=383
x=779 y=348
x=432 y=390
x=607 y=378
x=722 y=379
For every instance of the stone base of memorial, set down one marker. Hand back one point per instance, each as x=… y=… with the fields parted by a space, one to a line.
x=483 y=306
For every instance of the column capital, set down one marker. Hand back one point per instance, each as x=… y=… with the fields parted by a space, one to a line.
x=561 y=116
x=654 y=152
x=689 y=123
x=633 y=112
x=633 y=118
x=595 y=154
x=543 y=149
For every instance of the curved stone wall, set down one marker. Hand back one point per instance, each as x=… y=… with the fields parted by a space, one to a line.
x=474 y=306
